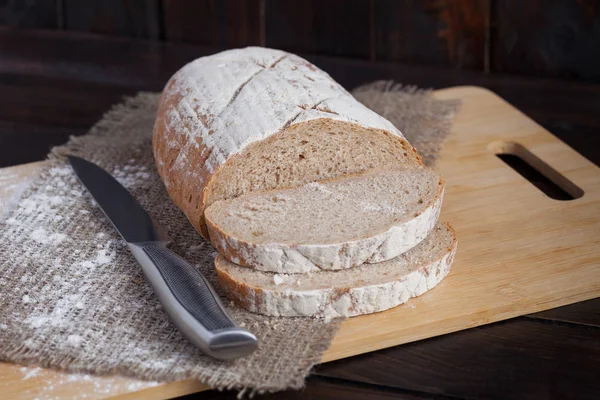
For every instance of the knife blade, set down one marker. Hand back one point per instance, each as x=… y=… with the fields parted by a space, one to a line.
x=187 y=297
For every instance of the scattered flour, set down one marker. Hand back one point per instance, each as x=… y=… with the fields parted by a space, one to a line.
x=104 y=256
x=42 y=236
x=74 y=340
x=30 y=372
x=55 y=385
x=131 y=175
x=57 y=305
x=278 y=279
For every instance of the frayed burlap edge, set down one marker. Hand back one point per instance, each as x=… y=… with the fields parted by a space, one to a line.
x=424 y=120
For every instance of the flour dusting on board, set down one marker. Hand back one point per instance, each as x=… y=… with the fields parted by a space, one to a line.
x=56 y=385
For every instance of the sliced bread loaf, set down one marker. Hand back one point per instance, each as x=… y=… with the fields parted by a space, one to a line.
x=257 y=119
x=330 y=225
x=361 y=290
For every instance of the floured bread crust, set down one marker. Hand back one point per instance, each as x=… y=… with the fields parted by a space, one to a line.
x=299 y=228
x=216 y=106
x=362 y=290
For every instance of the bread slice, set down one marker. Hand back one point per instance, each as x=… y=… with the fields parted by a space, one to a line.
x=362 y=290
x=331 y=225
x=307 y=152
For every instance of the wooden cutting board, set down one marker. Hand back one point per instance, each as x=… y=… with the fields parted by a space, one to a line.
x=519 y=251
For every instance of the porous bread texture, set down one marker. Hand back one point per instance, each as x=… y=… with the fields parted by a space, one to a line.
x=362 y=290
x=330 y=225
x=308 y=152
x=242 y=120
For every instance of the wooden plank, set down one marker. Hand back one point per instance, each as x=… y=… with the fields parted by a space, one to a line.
x=318 y=387
x=504 y=268
x=191 y=21
x=433 y=32
x=55 y=102
x=334 y=27
x=143 y=65
x=23 y=143
x=70 y=56
x=43 y=14
x=114 y=17
x=557 y=38
x=227 y=23
x=244 y=23
x=37 y=113
x=516 y=359
x=32 y=382
x=584 y=313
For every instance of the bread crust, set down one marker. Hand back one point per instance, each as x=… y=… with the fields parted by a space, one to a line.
x=212 y=109
x=337 y=301
x=304 y=258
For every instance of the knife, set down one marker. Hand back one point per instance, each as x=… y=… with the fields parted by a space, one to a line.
x=187 y=297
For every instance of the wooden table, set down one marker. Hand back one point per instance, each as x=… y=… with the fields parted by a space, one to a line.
x=53 y=85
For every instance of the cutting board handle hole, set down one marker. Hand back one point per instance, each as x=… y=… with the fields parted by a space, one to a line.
x=536 y=171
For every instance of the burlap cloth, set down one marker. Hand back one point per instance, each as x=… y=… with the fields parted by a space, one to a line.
x=73 y=297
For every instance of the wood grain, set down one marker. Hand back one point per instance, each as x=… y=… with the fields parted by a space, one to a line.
x=584 y=313
x=37 y=139
x=39 y=113
x=129 y=18
x=504 y=267
x=227 y=23
x=516 y=359
x=54 y=102
x=335 y=27
x=192 y=21
x=433 y=32
x=554 y=38
x=244 y=23
x=30 y=14
x=319 y=387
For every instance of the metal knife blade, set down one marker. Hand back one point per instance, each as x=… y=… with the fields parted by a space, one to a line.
x=123 y=211
x=187 y=297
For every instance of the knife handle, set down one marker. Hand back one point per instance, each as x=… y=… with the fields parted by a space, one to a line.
x=191 y=303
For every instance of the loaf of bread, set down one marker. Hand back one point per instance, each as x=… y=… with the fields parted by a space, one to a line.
x=328 y=225
x=318 y=206
x=258 y=119
x=362 y=290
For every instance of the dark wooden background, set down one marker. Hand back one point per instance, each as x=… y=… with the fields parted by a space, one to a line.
x=546 y=38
